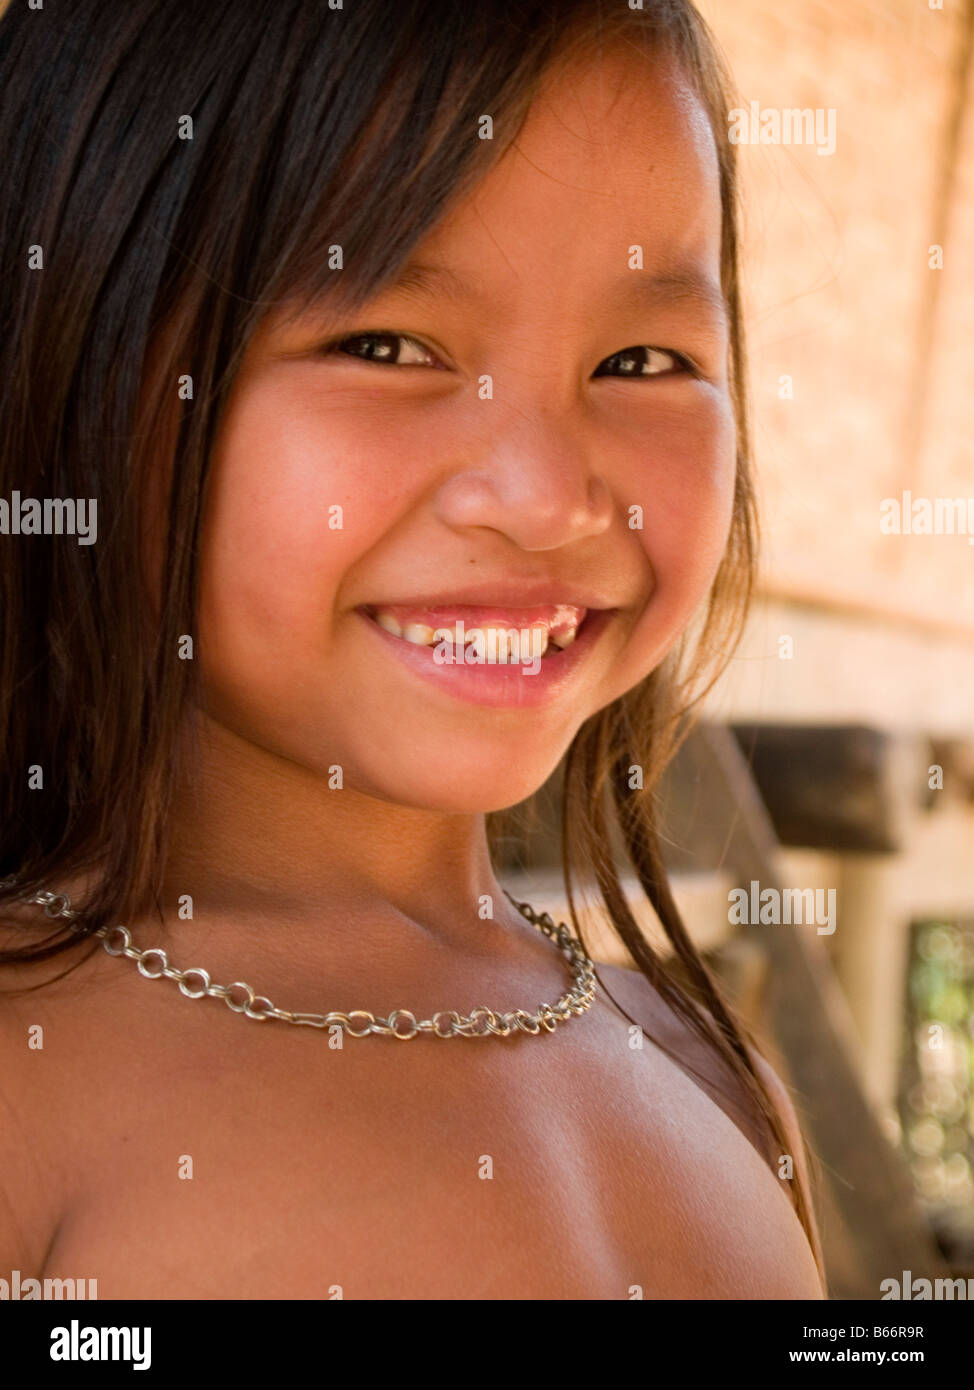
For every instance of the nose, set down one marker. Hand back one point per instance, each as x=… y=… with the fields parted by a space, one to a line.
x=534 y=482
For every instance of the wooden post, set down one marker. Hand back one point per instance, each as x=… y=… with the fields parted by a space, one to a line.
x=869 y=1185
x=872 y=960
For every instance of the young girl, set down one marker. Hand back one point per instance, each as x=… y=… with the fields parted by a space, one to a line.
x=395 y=349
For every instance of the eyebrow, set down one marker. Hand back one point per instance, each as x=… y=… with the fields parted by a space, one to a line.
x=640 y=289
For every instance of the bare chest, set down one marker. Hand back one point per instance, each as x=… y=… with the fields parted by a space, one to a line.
x=268 y=1165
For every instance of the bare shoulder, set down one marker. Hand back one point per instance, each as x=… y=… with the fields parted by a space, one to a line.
x=666 y=1025
x=38 y=1012
x=784 y=1106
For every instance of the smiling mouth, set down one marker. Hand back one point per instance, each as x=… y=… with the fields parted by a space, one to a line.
x=475 y=632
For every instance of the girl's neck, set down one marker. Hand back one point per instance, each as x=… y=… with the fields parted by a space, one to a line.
x=259 y=840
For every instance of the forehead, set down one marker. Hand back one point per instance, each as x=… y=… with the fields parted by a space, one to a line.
x=615 y=151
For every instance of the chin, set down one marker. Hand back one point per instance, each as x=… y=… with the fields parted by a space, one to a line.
x=461 y=782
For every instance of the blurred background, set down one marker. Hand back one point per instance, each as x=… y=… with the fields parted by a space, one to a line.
x=838 y=751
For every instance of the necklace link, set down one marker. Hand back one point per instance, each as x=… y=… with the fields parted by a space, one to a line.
x=195 y=983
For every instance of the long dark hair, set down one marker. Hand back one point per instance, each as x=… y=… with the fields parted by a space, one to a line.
x=159 y=254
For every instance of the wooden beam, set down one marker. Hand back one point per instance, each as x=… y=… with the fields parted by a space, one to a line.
x=830 y=786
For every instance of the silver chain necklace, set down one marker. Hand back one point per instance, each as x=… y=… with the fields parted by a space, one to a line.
x=480 y=1023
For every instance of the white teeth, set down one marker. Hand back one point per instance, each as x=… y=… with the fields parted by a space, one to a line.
x=540 y=639
x=418 y=633
x=503 y=645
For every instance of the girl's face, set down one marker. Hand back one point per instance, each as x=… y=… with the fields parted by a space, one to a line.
x=532 y=430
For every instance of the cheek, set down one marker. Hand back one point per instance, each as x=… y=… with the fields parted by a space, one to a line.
x=276 y=537
x=302 y=488
x=691 y=496
x=287 y=511
x=686 y=490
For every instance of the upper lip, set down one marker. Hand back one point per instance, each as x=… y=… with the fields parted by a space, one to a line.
x=515 y=593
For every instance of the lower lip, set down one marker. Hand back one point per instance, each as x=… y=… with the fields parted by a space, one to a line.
x=494 y=684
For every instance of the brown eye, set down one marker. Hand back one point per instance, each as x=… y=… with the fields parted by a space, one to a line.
x=393 y=349
x=643 y=362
